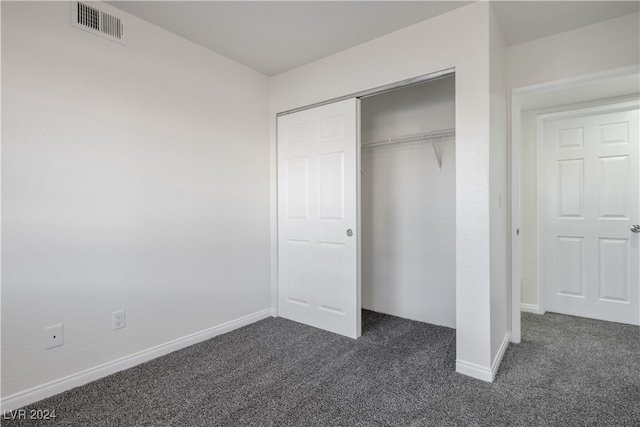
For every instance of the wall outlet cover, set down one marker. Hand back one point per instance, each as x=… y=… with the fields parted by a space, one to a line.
x=54 y=336
x=117 y=320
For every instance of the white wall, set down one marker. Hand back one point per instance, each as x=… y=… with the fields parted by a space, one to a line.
x=608 y=45
x=408 y=205
x=134 y=177
x=457 y=39
x=499 y=199
x=603 y=46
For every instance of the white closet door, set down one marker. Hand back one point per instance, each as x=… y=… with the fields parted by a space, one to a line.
x=592 y=262
x=318 y=277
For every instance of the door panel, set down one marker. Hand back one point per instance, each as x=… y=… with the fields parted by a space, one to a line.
x=331 y=186
x=614 y=270
x=591 y=257
x=614 y=187
x=298 y=280
x=571 y=188
x=318 y=277
x=570 y=267
x=297 y=188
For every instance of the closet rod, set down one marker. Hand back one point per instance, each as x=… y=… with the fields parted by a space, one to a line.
x=425 y=136
x=441 y=133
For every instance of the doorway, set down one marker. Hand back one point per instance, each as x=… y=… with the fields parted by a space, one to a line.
x=589 y=203
x=408 y=202
x=321 y=237
x=527 y=105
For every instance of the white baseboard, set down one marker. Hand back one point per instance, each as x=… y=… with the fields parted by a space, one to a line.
x=474 y=370
x=530 y=308
x=52 y=388
x=482 y=372
x=498 y=359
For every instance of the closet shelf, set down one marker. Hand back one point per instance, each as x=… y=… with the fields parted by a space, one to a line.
x=432 y=136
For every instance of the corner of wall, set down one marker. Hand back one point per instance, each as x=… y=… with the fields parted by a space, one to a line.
x=499 y=198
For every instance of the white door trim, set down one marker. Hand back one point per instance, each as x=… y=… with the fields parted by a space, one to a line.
x=515 y=270
x=517 y=97
x=540 y=211
x=605 y=107
x=447 y=72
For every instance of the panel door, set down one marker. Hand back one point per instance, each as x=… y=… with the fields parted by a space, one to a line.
x=592 y=200
x=318 y=272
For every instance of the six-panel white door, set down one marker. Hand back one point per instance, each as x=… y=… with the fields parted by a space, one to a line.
x=591 y=200
x=318 y=276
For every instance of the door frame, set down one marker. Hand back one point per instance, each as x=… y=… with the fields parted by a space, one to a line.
x=448 y=72
x=518 y=97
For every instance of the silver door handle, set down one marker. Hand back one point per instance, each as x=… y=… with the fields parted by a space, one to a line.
x=349 y=232
x=635 y=228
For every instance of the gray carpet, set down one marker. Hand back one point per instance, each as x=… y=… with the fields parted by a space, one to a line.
x=567 y=371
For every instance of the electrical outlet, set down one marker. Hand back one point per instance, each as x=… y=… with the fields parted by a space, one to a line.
x=54 y=336
x=117 y=321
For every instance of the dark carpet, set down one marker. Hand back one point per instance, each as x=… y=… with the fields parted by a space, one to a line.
x=567 y=371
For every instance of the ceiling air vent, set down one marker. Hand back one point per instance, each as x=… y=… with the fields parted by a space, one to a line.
x=92 y=18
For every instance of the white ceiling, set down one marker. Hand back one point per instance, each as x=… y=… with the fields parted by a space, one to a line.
x=276 y=36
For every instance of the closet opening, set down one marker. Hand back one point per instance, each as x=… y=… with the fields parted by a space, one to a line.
x=408 y=202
